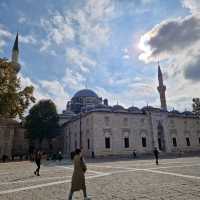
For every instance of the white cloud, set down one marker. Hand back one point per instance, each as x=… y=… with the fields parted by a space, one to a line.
x=170 y=37
x=26 y=81
x=104 y=93
x=45 y=89
x=78 y=32
x=4 y=35
x=138 y=91
x=126 y=54
x=94 y=30
x=27 y=39
x=177 y=41
x=77 y=58
x=73 y=80
x=58 y=29
x=193 y=5
x=45 y=45
x=22 y=19
x=56 y=92
x=133 y=97
x=87 y=24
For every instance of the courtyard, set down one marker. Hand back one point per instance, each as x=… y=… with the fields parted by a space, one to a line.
x=177 y=178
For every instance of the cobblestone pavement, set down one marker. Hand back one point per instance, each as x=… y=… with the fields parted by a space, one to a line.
x=172 y=179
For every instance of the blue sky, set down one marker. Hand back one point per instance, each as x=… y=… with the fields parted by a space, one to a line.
x=112 y=46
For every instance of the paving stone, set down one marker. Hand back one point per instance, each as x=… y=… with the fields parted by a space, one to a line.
x=117 y=182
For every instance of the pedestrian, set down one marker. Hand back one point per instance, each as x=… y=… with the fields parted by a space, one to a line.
x=156 y=152
x=78 y=177
x=38 y=163
x=60 y=156
x=93 y=156
x=72 y=155
x=134 y=153
x=4 y=157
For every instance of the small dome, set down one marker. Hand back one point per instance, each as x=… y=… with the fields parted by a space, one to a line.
x=133 y=109
x=187 y=113
x=175 y=112
x=85 y=93
x=148 y=108
x=67 y=113
x=102 y=107
x=118 y=107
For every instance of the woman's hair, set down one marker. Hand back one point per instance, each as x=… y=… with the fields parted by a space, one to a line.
x=77 y=151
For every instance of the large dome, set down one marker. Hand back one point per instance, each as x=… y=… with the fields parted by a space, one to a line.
x=85 y=93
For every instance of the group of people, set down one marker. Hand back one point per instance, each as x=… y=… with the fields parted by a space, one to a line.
x=78 y=177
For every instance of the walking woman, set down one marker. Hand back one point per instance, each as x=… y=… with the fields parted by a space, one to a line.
x=78 y=177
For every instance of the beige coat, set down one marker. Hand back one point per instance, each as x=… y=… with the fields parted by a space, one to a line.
x=78 y=178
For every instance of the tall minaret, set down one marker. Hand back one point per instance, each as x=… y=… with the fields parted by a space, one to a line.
x=15 y=55
x=161 y=89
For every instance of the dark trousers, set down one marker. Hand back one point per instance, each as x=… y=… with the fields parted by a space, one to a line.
x=156 y=160
x=37 y=171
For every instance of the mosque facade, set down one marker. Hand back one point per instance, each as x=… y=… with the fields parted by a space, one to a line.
x=101 y=130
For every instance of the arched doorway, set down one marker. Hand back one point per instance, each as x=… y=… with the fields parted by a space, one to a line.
x=161 y=138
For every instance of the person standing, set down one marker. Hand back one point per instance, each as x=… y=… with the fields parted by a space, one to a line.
x=38 y=163
x=134 y=154
x=60 y=156
x=78 y=177
x=156 y=152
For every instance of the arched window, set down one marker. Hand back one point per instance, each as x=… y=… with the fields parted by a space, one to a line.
x=174 y=142
x=187 y=141
x=107 y=142
x=144 y=142
x=88 y=143
x=126 y=142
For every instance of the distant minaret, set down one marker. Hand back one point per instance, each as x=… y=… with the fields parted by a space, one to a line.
x=161 y=89
x=15 y=55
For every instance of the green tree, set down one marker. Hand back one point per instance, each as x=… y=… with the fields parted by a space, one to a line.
x=196 y=106
x=42 y=121
x=13 y=99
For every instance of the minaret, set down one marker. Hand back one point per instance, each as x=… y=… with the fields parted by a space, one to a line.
x=15 y=55
x=161 y=89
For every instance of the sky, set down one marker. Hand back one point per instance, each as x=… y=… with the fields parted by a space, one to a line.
x=110 y=46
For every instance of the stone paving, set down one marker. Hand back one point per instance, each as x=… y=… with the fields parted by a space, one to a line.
x=172 y=179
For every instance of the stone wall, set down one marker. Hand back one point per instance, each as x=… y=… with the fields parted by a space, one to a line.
x=12 y=139
x=20 y=142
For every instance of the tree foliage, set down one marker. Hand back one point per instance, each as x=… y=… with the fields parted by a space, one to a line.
x=42 y=121
x=196 y=106
x=13 y=99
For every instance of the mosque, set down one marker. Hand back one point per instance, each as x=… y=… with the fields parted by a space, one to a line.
x=101 y=130
x=90 y=122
